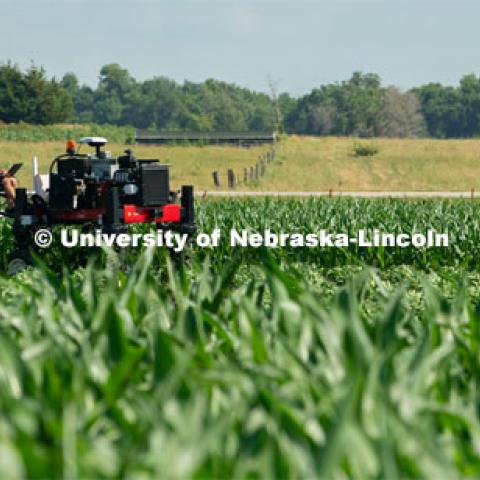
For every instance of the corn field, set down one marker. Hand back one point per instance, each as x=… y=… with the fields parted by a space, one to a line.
x=460 y=219
x=250 y=363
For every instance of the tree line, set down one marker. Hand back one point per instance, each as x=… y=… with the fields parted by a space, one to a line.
x=360 y=106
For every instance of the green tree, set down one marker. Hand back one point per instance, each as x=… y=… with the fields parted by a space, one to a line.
x=13 y=94
x=347 y=108
x=112 y=94
x=443 y=110
x=48 y=102
x=157 y=103
x=469 y=92
x=31 y=97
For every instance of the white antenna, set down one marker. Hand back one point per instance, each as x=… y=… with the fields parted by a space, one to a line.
x=35 y=165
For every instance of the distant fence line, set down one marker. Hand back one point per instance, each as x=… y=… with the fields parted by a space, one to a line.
x=250 y=175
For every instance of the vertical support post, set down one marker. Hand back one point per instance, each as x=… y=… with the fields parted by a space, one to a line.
x=113 y=211
x=20 y=204
x=35 y=165
x=231 y=178
x=187 y=204
x=216 y=178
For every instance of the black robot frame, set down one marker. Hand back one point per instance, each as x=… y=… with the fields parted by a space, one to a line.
x=94 y=190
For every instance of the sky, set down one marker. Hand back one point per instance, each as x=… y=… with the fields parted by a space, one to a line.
x=295 y=44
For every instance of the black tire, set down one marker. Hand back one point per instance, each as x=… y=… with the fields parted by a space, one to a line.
x=18 y=261
x=39 y=201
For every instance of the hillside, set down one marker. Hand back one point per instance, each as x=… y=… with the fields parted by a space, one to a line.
x=302 y=164
x=320 y=164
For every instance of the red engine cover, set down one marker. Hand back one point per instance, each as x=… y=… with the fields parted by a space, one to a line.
x=134 y=214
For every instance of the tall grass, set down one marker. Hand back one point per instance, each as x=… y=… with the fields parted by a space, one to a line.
x=301 y=164
x=189 y=165
x=321 y=164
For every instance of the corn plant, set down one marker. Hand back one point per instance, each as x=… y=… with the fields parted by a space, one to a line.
x=188 y=374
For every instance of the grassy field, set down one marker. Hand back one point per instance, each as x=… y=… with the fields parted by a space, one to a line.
x=302 y=164
x=408 y=164
x=247 y=363
x=190 y=165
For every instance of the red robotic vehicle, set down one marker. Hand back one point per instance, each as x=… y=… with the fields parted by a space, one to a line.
x=97 y=190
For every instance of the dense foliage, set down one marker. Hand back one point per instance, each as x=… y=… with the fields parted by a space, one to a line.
x=452 y=111
x=357 y=107
x=250 y=365
x=360 y=106
x=161 y=103
x=31 y=97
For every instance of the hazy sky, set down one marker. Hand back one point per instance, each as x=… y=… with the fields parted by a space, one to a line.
x=300 y=44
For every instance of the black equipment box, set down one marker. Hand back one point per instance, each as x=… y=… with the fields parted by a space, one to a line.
x=62 y=190
x=79 y=167
x=154 y=185
x=76 y=166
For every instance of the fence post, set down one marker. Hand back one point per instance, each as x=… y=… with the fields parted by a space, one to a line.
x=262 y=168
x=216 y=178
x=231 y=178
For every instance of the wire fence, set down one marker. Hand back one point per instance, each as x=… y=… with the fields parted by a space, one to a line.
x=250 y=174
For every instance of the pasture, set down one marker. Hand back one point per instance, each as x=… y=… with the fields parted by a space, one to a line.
x=302 y=164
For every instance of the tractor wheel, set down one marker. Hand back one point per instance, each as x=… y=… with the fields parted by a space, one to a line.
x=18 y=261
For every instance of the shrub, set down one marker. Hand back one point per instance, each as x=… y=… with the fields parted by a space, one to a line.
x=364 y=150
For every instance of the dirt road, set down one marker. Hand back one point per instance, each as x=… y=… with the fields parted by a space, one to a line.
x=233 y=193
